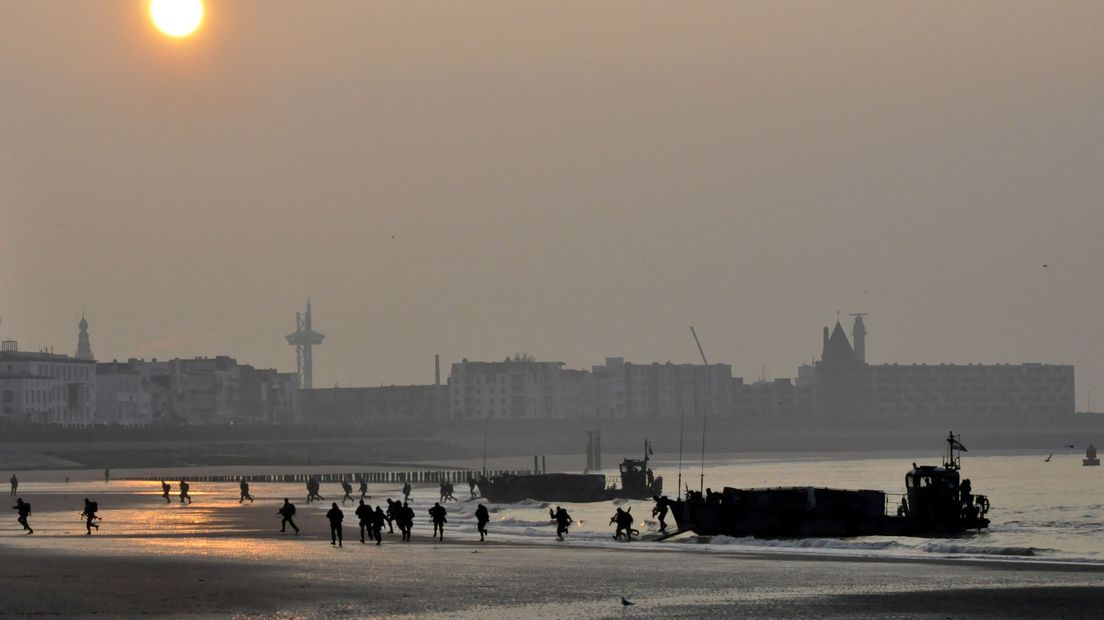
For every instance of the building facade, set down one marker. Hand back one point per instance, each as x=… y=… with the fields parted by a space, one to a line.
x=516 y=388
x=45 y=388
x=624 y=390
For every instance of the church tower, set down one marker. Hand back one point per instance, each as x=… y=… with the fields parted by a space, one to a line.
x=84 y=348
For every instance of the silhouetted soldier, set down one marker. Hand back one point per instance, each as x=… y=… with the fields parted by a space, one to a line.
x=24 y=511
x=437 y=513
x=335 y=517
x=966 y=497
x=393 y=513
x=244 y=486
x=312 y=490
x=448 y=492
x=406 y=491
x=165 y=488
x=563 y=521
x=443 y=492
x=364 y=519
x=624 y=522
x=378 y=518
x=471 y=487
x=89 y=514
x=363 y=489
x=660 y=511
x=903 y=508
x=286 y=512
x=481 y=519
x=408 y=520
x=184 y=486
x=14 y=484
x=348 y=488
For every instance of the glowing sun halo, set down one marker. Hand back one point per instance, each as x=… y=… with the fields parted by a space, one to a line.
x=176 y=18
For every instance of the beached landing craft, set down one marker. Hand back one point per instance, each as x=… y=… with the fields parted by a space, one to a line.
x=936 y=501
x=637 y=482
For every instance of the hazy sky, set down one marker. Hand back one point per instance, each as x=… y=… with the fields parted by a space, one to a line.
x=574 y=180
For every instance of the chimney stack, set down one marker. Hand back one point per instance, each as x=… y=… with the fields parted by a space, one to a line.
x=437 y=369
x=858 y=336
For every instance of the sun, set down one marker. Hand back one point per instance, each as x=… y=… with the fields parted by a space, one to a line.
x=176 y=18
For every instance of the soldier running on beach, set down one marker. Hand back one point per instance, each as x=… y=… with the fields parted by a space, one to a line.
x=377 y=525
x=364 y=518
x=562 y=519
x=481 y=519
x=184 y=486
x=437 y=513
x=312 y=490
x=660 y=511
x=407 y=524
x=624 y=522
x=24 y=509
x=286 y=512
x=392 y=514
x=14 y=484
x=335 y=517
x=471 y=487
x=406 y=492
x=165 y=488
x=364 y=489
x=89 y=514
x=244 y=487
x=348 y=488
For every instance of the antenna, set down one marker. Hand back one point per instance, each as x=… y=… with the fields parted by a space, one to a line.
x=705 y=411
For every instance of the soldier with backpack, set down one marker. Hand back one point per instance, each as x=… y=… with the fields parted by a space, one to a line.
x=89 y=514
x=24 y=509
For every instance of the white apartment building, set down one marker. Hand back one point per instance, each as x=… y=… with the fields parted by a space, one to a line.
x=515 y=389
x=45 y=388
x=625 y=390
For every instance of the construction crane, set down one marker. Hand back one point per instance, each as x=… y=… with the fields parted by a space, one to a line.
x=705 y=411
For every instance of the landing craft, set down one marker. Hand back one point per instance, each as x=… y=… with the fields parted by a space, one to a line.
x=637 y=482
x=935 y=501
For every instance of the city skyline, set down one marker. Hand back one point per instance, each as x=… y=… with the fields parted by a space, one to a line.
x=748 y=169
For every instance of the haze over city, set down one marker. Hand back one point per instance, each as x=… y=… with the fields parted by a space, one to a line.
x=570 y=180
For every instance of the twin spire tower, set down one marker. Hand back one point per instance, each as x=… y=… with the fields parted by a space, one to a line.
x=304 y=339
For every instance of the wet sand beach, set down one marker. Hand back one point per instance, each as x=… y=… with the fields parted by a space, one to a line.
x=217 y=558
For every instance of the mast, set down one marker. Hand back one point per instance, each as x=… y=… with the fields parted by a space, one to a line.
x=682 y=421
x=705 y=412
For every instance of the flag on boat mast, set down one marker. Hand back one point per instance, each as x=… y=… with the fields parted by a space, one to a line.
x=956 y=444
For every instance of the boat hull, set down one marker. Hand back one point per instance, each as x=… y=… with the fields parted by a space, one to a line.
x=781 y=513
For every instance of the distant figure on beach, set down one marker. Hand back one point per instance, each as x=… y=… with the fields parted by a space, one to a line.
x=624 y=521
x=244 y=487
x=364 y=516
x=165 y=488
x=407 y=525
x=24 y=509
x=364 y=489
x=312 y=490
x=89 y=514
x=107 y=474
x=286 y=512
x=562 y=519
x=184 y=486
x=377 y=525
x=660 y=511
x=348 y=488
x=14 y=484
x=406 y=491
x=471 y=487
x=481 y=519
x=437 y=513
x=335 y=517
x=443 y=492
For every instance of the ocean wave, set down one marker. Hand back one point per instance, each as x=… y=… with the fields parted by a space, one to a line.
x=800 y=543
x=960 y=549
